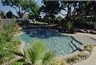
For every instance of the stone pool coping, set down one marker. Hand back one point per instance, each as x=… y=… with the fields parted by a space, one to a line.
x=18 y=33
x=21 y=46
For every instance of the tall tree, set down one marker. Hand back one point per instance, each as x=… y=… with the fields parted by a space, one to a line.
x=21 y=6
x=34 y=11
x=68 y=5
x=76 y=8
x=50 y=8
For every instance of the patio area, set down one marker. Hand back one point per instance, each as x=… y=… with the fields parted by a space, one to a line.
x=86 y=38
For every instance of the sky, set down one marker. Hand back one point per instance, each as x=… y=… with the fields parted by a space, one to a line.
x=5 y=9
x=8 y=8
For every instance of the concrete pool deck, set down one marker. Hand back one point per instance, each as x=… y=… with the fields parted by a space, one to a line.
x=86 y=38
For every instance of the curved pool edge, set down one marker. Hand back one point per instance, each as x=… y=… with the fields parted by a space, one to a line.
x=22 y=43
x=59 y=33
x=21 y=46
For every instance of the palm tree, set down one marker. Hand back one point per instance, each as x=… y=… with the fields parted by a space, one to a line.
x=34 y=55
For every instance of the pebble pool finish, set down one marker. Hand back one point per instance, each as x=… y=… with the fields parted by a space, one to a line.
x=60 y=44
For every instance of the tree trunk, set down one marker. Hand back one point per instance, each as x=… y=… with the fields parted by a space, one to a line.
x=69 y=10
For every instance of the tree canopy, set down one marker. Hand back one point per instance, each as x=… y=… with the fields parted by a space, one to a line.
x=21 y=6
x=74 y=9
x=50 y=8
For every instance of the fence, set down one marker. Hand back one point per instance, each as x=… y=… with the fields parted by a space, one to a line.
x=1 y=25
x=3 y=21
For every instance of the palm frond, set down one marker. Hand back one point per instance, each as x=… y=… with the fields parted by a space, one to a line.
x=20 y=60
x=48 y=56
x=34 y=53
x=17 y=63
x=30 y=56
x=18 y=53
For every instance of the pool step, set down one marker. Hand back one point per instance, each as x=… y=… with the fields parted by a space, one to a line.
x=78 y=43
x=74 y=46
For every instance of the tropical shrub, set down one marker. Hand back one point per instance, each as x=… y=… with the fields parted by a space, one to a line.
x=7 y=41
x=58 y=20
x=57 y=61
x=69 y=25
x=83 y=55
x=72 y=59
x=5 y=55
x=10 y=26
x=84 y=23
x=51 y=20
x=17 y=63
x=30 y=15
x=88 y=48
x=35 y=55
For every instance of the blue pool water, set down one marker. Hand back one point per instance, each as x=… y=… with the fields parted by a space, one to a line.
x=55 y=41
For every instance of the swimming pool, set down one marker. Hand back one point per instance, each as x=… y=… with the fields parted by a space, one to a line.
x=55 y=41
